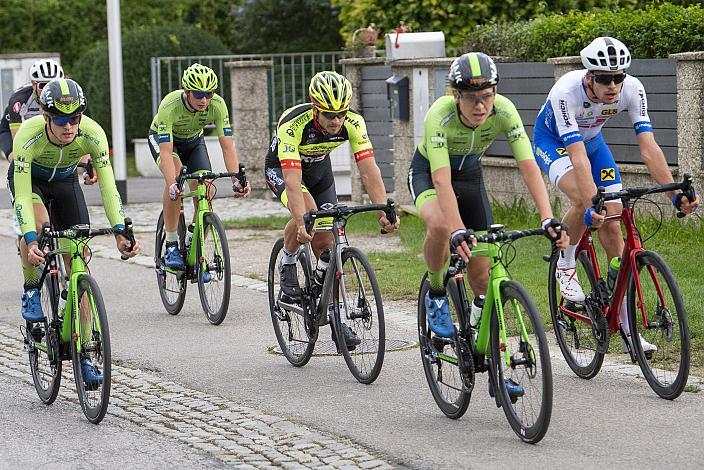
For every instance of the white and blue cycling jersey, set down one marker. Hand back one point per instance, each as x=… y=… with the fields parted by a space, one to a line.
x=569 y=116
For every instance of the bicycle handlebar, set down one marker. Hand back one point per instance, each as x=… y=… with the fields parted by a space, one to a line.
x=184 y=176
x=339 y=212
x=685 y=186
x=84 y=231
x=499 y=235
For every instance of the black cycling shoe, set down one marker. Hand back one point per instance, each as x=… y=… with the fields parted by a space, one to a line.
x=438 y=342
x=351 y=338
x=289 y=281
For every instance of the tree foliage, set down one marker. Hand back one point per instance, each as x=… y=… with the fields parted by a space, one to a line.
x=92 y=72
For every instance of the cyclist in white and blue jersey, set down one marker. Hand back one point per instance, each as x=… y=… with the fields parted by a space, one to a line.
x=570 y=148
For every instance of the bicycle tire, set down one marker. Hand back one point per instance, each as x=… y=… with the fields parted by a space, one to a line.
x=172 y=286
x=532 y=373
x=574 y=337
x=96 y=346
x=295 y=340
x=670 y=335
x=365 y=319
x=45 y=362
x=449 y=393
x=213 y=249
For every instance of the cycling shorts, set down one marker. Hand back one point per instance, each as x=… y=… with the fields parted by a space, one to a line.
x=63 y=198
x=317 y=179
x=552 y=158
x=468 y=185
x=192 y=153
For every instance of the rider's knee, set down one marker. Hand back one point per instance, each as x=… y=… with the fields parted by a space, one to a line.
x=438 y=230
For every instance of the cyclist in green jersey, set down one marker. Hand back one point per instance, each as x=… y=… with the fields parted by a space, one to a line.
x=176 y=139
x=299 y=173
x=445 y=177
x=47 y=150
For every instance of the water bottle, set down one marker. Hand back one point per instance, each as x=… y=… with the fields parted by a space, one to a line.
x=321 y=267
x=614 y=264
x=476 y=311
x=189 y=235
x=62 y=301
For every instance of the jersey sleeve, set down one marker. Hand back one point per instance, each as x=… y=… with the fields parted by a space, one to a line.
x=288 y=139
x=222 y=118
x=164 y=123
x=97 y=147
x=359 y=138
x=516 y=135
x=562 y=105
x=435 y=137
x=24 y=209
x=638 y=106
x=14 y=118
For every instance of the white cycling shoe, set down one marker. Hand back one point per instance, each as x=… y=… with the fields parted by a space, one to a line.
x=648 y=348
x=569 y=284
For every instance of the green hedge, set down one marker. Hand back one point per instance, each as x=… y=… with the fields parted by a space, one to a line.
x=92 y=72
x=654 y=31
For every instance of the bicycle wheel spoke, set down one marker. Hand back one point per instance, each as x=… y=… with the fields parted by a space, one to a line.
x=171 y=283
x=214 y=270
x=43 y=347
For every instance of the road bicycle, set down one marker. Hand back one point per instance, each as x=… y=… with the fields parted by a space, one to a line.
x=75 y=326
x=349 y=284
x=509 y=342
x=654 y=303
x=204 y=249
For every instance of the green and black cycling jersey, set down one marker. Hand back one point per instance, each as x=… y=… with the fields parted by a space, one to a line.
x=175 y=122
x=300 y=140
x=36 y=157
x=448 y=142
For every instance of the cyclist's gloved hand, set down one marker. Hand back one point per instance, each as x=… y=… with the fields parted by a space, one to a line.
x=174 y=191
x=686 y=207
x=239 y=190
x=458 y=243
x=592 y=219
x=556 y=232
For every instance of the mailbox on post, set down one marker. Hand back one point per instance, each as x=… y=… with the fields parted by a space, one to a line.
x=397 y=91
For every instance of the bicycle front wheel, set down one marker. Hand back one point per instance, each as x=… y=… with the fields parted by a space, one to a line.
x=358 y=305
x=574 y=336
x=172 y=283
x=214 y=277
x=295 y=331
x=656 y=313
x=521 y=364
x=44 y=353
x=441 y=359
x=91 y=364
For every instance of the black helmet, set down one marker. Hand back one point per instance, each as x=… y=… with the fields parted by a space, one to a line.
x=62 y=97
x=473 y=71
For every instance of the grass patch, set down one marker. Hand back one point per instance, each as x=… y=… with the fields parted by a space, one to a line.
x=365 y=223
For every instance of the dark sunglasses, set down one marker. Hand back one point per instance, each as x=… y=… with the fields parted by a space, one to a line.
x=606 y=79
x=332 y=115
x=41 y=85
x=199 y=95
x=62 y=121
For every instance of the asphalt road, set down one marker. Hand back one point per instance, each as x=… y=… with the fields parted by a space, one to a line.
x=613 y=420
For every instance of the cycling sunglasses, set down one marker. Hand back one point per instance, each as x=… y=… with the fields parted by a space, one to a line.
x=41 y=85
x=62 y=121
x=606 y=79
x=332 y=114
x=199 y=95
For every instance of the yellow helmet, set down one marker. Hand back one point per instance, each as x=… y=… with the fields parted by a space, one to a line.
x=330 y=91
x=199 y=77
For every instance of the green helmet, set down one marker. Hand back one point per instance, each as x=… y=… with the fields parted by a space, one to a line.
x=473 y=71
x=199 y=77
x=62 y=97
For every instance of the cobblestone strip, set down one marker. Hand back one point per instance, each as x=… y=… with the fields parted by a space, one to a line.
x=239 y=435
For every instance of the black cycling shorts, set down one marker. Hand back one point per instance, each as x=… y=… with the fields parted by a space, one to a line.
x=193 y=153
x=63 y=199
x=468 y=185
x=317 y=179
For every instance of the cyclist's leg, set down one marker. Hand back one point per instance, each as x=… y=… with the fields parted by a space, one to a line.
x=473 y=203
x=194 y=156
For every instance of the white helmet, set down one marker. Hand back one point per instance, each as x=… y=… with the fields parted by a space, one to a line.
x=45 y=70
x=607 y=54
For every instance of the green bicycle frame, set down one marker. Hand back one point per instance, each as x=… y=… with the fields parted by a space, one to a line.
x=497 y=276
x=201 y=193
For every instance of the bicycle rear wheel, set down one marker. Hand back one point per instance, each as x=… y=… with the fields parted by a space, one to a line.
x=363 y=313
x=95 y=347
x=441 y=358
x=172 y=284
x=214 y=276
x=667 y=368
x=295 y=333
x=523 y=360
x=44 y=354
x=574 y=336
